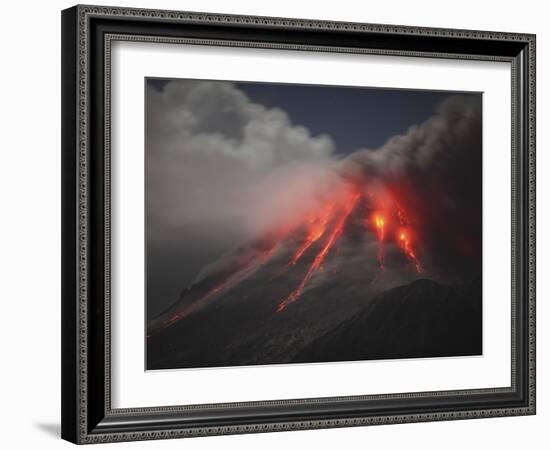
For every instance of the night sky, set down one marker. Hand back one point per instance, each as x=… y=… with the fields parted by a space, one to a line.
x=351 y=115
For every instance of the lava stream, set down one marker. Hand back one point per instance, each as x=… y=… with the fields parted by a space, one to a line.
x=201 y=300
x=226 y=284
x=403 y=240
x=316 y=229
x=318 y=261
x=380 y=224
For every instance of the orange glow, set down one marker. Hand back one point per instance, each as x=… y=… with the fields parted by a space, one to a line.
x=336 y=231
x=404 y=242
x=380 y=226
x=225 y=285
x=316 y=229
x=401 y=216
x=379 y=223
x=201 y=300
x=315 y=234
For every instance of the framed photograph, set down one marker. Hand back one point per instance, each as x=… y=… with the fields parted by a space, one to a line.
x=278 y=224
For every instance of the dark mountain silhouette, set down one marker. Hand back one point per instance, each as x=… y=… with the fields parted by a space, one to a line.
x=422 y=319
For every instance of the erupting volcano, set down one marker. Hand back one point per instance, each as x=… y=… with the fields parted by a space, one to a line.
x=318 y=231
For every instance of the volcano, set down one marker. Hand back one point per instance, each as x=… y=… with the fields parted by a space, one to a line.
x=349 y=280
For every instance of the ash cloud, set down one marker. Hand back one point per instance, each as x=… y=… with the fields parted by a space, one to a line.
x=435 y=171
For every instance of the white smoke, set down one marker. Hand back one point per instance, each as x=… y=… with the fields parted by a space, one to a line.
x=218 y=162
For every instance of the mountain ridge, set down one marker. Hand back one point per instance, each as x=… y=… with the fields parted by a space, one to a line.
x=421 y=319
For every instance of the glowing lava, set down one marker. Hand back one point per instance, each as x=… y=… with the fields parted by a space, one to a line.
x=404 y=241
x=336 y=231
x=316 y=229
x=197 y=303
x=387 y=220
x=229 y=283
x=380 y=225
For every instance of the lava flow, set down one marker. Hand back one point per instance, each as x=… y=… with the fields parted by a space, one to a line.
x=380 y=224
x=404 y=241
x=228 y=283
x=387 y=220
x=318 y=261
x=390 y=218
x=193 y=306
x=316 y=229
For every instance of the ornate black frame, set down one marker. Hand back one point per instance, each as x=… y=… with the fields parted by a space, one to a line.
x=87 y=33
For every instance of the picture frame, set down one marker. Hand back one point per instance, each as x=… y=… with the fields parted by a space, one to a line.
x=88 y=415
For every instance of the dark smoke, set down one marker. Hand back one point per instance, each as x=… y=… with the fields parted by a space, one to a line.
x=435 y=171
